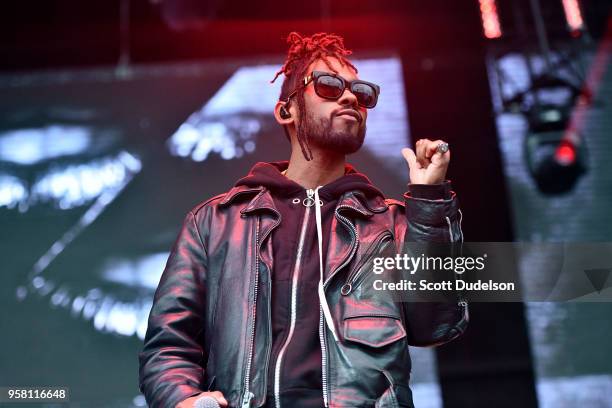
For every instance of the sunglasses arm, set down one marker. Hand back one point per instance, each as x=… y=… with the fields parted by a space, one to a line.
x=306 y=80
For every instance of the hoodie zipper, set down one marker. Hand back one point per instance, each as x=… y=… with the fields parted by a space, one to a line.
x=355 y=276
x=308 y=202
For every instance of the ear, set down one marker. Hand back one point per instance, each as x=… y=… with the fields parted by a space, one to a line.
x=280 y=119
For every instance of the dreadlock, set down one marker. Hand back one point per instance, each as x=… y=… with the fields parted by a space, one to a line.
x=303 y=51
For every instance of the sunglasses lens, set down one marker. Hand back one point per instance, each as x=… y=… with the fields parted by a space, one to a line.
x=329 y=87
x=366 y=95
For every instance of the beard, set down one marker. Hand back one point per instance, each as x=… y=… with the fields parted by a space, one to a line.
x=321 y=133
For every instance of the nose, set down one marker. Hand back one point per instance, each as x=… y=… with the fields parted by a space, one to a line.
x=348 y=98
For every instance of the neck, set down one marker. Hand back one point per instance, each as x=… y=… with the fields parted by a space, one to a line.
x=324 y=167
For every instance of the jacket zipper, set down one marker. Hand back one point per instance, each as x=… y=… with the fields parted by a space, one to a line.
x=248 y=395
x=353 y=279
x=323 y=357
x=269 y=348
x=322 y=327
x=353 y=232
x=294 y=281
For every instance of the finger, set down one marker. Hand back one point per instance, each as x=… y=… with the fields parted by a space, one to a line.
x=439 y=158
x=421 y=147
x=410 y=158
x=432 y=147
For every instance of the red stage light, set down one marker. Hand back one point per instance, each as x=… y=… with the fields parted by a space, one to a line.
x=490 y=19
x=573 y=16
x=565 y=154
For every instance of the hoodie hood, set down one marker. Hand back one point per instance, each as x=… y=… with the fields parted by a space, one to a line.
x=270 y=176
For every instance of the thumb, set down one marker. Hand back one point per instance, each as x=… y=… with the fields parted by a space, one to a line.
x=410 y=158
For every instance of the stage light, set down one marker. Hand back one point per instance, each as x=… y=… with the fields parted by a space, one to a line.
x=490 y=19
x=565 y=154
x=555 y=155
x=573 y=17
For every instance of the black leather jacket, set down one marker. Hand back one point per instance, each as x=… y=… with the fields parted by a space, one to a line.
x=210 y=327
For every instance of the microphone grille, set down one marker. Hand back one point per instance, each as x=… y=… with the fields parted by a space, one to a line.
x=206 y=402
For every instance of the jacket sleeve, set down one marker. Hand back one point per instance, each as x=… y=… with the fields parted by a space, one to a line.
x=172 y=355
x=432 y=214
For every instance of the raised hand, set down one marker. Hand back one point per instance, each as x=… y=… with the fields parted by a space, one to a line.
x=428 y=165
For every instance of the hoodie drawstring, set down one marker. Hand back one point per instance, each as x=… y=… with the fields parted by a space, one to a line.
x=322 y=299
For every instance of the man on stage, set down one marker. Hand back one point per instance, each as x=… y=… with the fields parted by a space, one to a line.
x=261 y=304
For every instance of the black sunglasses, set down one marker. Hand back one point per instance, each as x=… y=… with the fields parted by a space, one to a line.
x=332 y=86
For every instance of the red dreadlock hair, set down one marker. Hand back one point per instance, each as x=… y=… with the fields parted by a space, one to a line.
x=303 y=51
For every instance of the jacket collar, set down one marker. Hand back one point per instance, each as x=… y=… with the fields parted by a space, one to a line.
x=358 y=202
x=352 y=201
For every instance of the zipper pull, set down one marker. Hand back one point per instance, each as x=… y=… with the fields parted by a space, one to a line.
x=246 y=400
x=309 y=200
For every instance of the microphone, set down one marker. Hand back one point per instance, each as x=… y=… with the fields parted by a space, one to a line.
x=206 y=402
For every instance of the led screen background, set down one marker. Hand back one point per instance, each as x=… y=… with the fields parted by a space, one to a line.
x=98 y=168
x=569 y=341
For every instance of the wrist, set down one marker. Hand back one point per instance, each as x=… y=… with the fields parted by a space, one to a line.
x=437 y=191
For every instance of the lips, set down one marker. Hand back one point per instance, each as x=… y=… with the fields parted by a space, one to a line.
x=349 y=112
